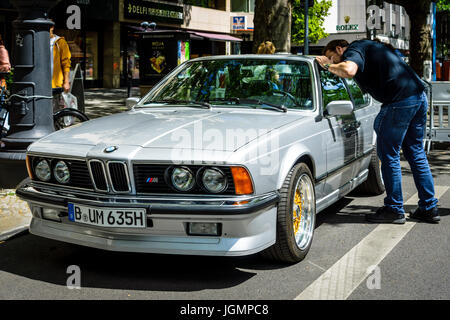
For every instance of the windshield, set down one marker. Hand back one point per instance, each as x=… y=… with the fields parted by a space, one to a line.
x=239 y=82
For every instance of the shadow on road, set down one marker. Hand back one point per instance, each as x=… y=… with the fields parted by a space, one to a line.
x=46 y=260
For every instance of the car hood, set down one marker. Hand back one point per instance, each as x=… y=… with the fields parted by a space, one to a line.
x=184 y=128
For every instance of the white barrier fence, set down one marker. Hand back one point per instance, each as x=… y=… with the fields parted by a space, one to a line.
x=438 y=129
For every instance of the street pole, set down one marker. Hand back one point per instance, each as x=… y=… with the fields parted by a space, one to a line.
x=433 y=32
x=31 y=111
x=306 y=46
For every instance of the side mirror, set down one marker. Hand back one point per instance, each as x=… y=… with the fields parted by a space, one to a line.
x=131 y=102
x=339 y=108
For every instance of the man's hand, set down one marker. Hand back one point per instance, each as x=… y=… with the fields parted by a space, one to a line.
x=66 y=86
x=346 y=69
x=323 y=60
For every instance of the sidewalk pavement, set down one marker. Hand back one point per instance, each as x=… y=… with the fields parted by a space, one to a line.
x=15 y=215
x=103 y=102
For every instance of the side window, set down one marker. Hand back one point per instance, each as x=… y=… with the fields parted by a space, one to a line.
x=361 y=99
x=295 y=79
x=333 y=88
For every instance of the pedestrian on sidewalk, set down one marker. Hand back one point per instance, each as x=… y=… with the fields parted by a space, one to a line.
x=5 y=65
x=400 y=123
x=60 y=68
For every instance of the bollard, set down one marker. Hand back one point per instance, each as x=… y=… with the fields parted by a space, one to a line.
x=31 y=111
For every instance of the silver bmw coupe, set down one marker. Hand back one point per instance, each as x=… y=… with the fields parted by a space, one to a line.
x=226 y=156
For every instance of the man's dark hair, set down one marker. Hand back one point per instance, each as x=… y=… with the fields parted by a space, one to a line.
x=335 y=43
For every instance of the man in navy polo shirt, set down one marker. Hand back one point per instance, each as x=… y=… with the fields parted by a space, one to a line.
x=400 y=123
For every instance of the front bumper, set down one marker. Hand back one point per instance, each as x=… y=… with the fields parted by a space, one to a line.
x=248 y=223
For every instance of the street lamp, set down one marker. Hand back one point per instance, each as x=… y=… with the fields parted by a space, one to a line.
x=307 y=4
x=30 y=107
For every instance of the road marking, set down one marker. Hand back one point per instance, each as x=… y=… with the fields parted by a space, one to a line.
x=317 y=266
x=339 y=281
x=439 y=192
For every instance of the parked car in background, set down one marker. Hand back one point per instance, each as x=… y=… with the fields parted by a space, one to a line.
x=226 y=156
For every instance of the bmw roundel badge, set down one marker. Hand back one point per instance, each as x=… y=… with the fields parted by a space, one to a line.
x=110 y=149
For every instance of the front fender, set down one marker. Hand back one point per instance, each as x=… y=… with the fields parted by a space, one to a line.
x=293 y=156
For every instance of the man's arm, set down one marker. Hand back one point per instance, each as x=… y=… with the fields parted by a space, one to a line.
x=65 y=63
x=346 y=69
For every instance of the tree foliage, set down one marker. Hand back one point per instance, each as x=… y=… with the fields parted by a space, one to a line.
x=443 y=5
x=317 y=15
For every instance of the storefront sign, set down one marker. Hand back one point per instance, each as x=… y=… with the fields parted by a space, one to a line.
x=158 y=12
x=74 y=20
x=347 y=27
x=239 y=23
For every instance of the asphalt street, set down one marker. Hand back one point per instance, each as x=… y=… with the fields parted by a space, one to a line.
x=411 y=262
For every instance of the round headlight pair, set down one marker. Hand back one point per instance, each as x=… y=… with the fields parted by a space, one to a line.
x=213 y=179
x=61 y=171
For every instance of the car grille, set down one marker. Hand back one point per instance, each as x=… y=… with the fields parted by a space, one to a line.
x=98 y=175
x=119 y=176
x=117 y=171
x=150 y=178
x=112 y=176
x=79 y=174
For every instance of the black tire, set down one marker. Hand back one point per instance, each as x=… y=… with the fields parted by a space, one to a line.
x=374 y=184
x=286 y=249
x=67 y=117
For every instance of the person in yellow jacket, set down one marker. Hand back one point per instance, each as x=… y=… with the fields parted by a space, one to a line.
x=60 y=67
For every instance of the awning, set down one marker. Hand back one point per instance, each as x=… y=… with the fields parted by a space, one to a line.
x=195 y=35
x=215 y=36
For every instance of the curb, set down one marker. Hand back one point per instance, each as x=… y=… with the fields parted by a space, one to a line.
x=14 y=232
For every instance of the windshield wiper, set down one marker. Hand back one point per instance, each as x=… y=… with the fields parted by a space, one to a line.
x=253 y=101
x=185 y=102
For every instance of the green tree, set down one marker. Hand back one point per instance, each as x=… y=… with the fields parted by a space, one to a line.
x=317 y=15
x=443 y=5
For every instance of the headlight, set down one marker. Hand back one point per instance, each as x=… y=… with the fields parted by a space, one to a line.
x=183 y=179
x=214 y=180
x=61 y=172
x=43 y=171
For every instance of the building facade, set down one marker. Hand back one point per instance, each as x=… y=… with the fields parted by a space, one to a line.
x=103 y=35
x=350 y=20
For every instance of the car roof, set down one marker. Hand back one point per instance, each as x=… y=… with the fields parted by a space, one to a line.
x=276 y=56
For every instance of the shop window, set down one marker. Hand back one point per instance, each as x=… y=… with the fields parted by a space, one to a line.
x=129 y=67
x=243 y=5
x=88 y=58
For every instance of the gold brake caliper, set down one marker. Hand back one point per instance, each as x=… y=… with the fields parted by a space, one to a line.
x=297 y=217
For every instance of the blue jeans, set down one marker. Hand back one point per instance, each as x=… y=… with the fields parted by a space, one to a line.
x=402 y=125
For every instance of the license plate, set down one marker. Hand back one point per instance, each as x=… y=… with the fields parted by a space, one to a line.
x=108 y=217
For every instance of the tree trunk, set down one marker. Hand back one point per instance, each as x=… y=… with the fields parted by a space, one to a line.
x=420 y=32
x=420 y=43
x=272 y=22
